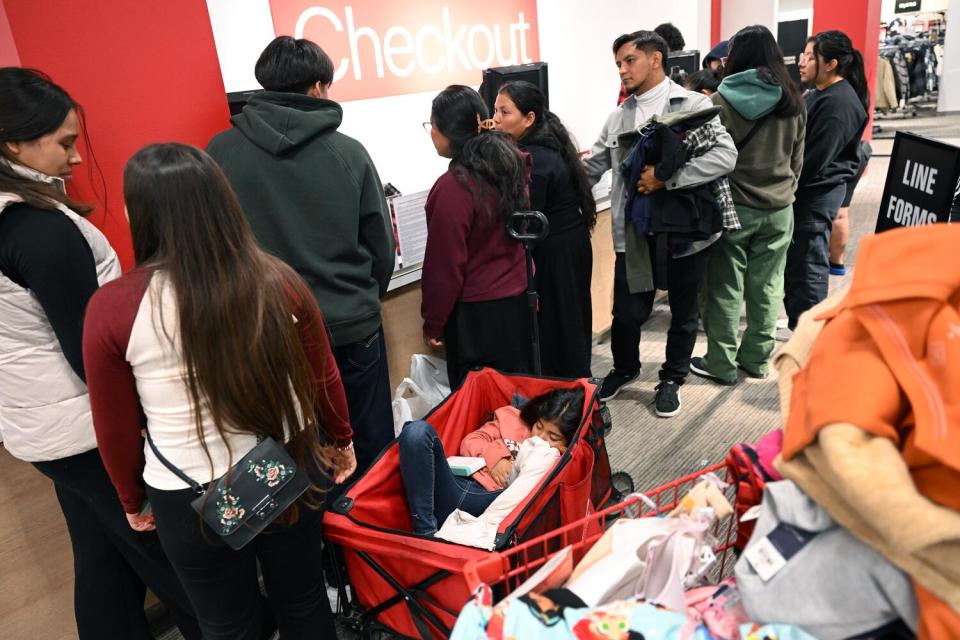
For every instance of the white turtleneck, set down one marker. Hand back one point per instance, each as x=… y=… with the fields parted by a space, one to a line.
x=652 y=102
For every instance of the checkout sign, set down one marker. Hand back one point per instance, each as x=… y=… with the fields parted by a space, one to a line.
x=382 y=49
x=921 y=183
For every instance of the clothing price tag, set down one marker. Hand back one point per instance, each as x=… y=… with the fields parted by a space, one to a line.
x=752 y=513
x=788 y=540
x=765 y=559
x=770 y=555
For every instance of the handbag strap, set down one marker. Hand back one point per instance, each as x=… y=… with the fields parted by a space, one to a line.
x=172 y=467
x=753 y=131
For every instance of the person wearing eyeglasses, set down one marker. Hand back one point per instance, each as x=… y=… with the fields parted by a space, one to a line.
x=474 y=274
x=314 y=199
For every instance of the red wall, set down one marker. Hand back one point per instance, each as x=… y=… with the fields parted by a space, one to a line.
x=8 y=49
x=143 y=71
x=859 y=19
x=715 y=37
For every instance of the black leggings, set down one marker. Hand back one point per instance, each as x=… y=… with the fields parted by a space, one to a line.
x=492 y=333
x=111 y=561
x=222 y=583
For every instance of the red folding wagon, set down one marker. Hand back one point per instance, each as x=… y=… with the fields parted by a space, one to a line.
x=416 y=585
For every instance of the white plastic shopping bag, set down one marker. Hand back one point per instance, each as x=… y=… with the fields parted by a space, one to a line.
x=426 y=387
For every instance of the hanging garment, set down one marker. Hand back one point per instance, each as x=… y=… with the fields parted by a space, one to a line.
x=697 y=142
x=669 y=142
x=902 y=71
x=930 y=60
x=918 y=72
x=637 y=208
x=680 y=221
x=886 y=90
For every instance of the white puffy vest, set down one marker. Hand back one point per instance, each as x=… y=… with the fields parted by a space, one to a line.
x=44 y=407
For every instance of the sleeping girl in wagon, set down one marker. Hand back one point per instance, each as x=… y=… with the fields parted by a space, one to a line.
x=518 y=446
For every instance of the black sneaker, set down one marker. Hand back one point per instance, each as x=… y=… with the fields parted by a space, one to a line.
x=614 y=381
x=668 y=399
x=697 y=369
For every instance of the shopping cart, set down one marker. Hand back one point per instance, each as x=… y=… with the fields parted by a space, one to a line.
x=506 y=570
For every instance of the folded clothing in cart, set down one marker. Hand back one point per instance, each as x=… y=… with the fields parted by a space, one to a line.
x=542 y=616
x=803 y=569
x=880 y=381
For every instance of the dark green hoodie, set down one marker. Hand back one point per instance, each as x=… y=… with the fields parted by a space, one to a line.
x=768 y=167
x=314 y=199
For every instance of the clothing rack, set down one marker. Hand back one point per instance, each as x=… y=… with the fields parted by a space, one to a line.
x=912 y=70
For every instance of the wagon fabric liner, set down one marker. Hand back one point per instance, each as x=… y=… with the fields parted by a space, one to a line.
x=416 y=585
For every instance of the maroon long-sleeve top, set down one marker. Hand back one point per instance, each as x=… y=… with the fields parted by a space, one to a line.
x=114 y=322
x=469 y=255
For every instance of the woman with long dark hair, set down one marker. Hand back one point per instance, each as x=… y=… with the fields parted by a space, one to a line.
x=216 y=344
x=51 y=261
x=837 y=108
x=474 y=274
x=764 y=112
x=560 y=189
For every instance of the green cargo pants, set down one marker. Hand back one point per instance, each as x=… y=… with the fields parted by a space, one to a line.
x=746 y=266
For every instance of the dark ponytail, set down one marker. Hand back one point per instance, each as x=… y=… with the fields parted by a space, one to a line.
x=857 y=76
x=836 y=45
x=32 y=106
x=482 y=159
x=528 y=98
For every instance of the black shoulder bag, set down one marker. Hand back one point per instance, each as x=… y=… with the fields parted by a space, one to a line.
x=251 y=495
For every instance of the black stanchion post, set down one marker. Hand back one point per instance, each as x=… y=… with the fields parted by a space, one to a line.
x=530 y=227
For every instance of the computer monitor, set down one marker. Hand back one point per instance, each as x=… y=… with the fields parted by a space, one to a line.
x=680 y=64
x=493 y=79
x=238 y=99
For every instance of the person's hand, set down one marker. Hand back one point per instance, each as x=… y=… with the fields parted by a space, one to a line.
x=648 y=182
x=501 y=471
x=436 y=343
x=141 y=521
x=344 y=463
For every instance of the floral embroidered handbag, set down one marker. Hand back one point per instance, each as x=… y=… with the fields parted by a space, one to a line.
x=250 y=495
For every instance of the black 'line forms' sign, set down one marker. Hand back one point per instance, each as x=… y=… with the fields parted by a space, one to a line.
x=921 y=182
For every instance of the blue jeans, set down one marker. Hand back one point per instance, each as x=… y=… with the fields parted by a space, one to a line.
x=366 y=381
x=807 y=274
x=433 y=492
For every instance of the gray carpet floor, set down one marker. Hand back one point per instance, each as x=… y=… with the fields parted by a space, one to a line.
x=654 y=450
